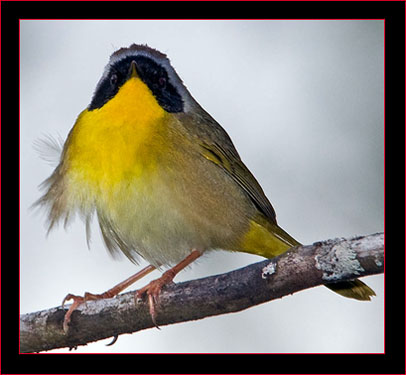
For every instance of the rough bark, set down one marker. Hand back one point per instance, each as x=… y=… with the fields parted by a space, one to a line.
x=300 y=268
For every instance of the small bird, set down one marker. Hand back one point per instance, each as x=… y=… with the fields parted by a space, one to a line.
x=163 y=178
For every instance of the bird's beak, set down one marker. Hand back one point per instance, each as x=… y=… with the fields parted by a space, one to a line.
x=133 y=70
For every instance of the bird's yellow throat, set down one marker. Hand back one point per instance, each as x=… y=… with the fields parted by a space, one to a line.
x=116 y=142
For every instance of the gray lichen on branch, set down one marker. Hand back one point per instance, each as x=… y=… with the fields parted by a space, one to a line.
x=300 y=268
x=342 y=258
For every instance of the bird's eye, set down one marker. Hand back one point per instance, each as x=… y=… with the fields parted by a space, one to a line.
x=113 y=79
x=162 y=81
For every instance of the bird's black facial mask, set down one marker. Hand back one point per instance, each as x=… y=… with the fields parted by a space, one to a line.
x=150 y=72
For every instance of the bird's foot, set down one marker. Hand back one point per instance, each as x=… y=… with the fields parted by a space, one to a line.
x=153 y=289
x=77 y=301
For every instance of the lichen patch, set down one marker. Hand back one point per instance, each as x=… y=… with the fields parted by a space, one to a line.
x=268 y=270
x=339 y=262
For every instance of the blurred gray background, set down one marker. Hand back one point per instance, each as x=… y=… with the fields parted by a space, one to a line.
x=303 y=103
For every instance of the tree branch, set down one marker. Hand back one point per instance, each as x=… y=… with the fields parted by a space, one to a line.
x=300 y=268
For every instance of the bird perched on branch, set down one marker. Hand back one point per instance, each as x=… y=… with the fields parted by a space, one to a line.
x=162 y=176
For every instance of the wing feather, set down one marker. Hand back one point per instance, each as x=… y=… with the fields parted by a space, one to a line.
x=217 y=147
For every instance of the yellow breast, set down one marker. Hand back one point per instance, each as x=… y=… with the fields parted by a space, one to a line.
x=119 y=142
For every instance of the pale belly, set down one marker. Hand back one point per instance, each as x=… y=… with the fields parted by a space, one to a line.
x=151 y=223
x=164 y=216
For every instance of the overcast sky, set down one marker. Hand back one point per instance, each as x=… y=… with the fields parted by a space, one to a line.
x=303 y=103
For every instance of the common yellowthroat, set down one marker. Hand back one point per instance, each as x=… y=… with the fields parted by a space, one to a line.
x=162 y=176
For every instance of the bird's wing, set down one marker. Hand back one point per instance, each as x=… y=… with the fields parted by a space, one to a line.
x=217 y=147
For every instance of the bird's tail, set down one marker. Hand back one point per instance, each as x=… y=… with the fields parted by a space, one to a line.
x=270 y=240
x=355 y=289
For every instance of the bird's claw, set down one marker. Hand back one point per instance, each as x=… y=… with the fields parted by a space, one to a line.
x=153 y=290
x=153 y=300
x=77 y=301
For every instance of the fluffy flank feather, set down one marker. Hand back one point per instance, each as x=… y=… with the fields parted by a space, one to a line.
x=49 y=148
